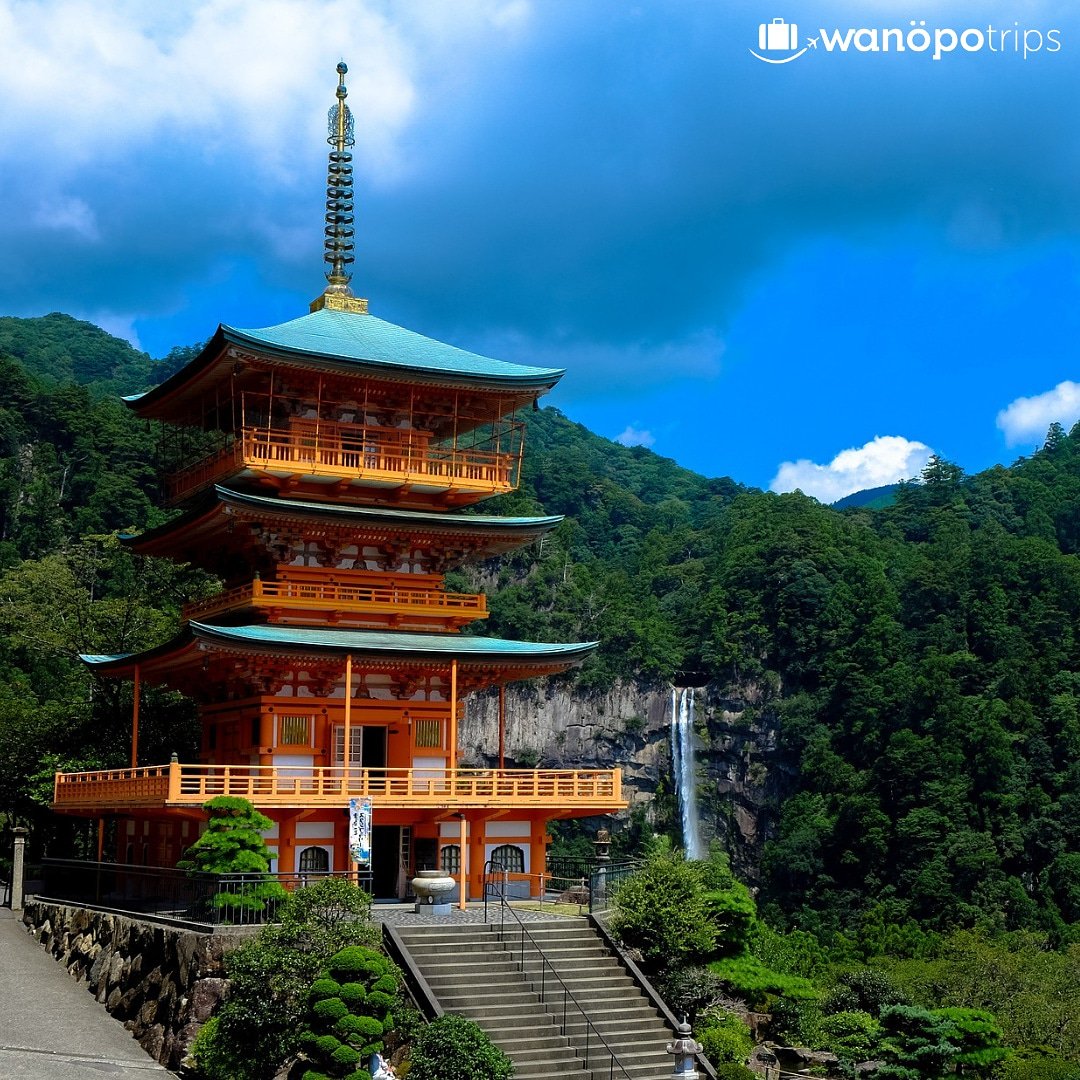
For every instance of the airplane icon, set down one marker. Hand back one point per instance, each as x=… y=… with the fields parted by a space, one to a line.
x=812 y=42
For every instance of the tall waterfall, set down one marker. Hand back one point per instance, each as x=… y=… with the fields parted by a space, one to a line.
x=682 y=753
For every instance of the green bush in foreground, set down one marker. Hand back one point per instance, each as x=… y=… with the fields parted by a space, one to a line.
x=453 y=1048
x=276 y=977
x=343 y=1032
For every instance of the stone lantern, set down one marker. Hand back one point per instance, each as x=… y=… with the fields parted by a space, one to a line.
x=685 y=1050
x=602 y=843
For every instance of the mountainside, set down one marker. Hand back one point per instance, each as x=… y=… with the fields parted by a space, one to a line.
x=888 y=703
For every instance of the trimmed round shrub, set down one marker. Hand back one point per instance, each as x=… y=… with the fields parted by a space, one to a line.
x=345 y=1057
x=324 y=988
x=366 y=1027
x=314 y=1074
x=330 y=1010
x=354 y=962
x=327 y=1044
x=385 y=984
x=453 y=1048
x=377 y=1002
x=353 y=994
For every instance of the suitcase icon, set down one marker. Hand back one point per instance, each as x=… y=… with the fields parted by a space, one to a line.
x=778 y=35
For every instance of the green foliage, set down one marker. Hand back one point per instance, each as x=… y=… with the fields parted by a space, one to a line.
x=233 y=844
x=453 y=1048
x=347 y=1030
x=733 y=1070
x=691 y=990
x=1030 y=989
x=749 y=978
x=725 y=1038
x=273 y=978
x=852 y=1035
x=661 y=912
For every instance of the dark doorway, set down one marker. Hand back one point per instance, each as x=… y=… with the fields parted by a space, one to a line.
x=385 y=856
x=427 y=853
x=373 y=749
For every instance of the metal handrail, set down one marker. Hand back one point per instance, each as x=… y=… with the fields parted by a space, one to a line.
x=591 y=1030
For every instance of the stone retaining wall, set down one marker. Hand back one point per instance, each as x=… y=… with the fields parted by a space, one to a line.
x=163 y=983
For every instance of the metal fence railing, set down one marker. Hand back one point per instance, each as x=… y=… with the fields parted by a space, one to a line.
x=175 y=895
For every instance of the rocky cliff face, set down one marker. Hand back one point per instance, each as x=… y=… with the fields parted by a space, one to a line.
x=741 y=772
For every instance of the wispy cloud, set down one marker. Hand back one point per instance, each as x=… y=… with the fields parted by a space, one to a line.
x=633 y=436
x=1027 y=418
x=886 y=459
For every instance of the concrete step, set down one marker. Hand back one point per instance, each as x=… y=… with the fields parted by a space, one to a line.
x=495 y=979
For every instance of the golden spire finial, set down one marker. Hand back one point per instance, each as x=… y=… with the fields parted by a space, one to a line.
x=339 y=231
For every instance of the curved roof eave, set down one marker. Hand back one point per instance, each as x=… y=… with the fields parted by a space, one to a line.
x=219 y=494
x=371 y=347
x=393 y=643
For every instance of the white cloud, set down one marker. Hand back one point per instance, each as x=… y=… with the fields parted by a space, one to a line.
x=633 y=436
x=84 y=82
x=886 y=459
x=1027 y=418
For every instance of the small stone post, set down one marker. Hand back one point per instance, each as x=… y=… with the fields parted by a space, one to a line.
x=602 y=843
x=685 y=1050
x=18 y=867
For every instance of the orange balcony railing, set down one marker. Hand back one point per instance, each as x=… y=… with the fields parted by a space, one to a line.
x=342 y=597
x=599 y=790
x=388 y=457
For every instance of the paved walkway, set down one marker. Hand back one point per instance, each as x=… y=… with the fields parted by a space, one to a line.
x=51 y=1028
x=405 y=915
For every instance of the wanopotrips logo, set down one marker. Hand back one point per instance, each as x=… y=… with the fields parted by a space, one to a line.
x=779 y=41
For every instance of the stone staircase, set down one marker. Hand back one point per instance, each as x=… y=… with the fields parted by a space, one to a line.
x=475 y=974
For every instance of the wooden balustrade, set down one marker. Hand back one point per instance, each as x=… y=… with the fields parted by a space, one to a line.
x=290 y=786
x=342 y=596
x=386 y=456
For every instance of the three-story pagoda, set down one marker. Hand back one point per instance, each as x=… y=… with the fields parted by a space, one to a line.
x=342 y=449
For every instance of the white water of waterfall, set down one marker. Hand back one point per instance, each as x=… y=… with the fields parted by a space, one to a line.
x=682 y=753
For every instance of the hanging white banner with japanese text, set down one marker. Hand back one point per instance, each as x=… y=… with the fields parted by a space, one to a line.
x=360 y=831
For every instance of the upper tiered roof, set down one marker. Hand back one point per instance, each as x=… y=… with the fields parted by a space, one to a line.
x=344 y=343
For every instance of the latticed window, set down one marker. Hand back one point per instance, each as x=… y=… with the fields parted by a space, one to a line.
x=314 y=860
x=294 y=730
x=428 y=733
x=450 y=859
x=508 y=857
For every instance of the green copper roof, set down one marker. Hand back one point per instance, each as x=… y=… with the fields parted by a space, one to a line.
x=391 y=642
x=368 y=513
x=348 y=338
x=359 y=642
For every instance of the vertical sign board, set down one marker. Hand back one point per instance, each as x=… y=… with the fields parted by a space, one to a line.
x=360 y=831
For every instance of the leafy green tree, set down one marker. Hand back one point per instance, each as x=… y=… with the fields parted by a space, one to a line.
x=233 y=845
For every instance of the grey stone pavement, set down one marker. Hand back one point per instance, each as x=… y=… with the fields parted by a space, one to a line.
x=51 y=1028
x=404 y=915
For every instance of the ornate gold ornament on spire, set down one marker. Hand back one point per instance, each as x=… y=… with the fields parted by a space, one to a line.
x=339 y=231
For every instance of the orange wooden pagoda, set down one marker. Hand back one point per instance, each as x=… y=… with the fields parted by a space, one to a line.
x=335 y=454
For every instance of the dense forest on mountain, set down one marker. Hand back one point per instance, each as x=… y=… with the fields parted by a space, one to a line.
x=920 y=662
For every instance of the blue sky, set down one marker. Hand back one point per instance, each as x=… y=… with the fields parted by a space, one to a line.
x=810 y=274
